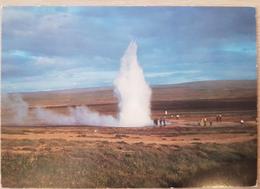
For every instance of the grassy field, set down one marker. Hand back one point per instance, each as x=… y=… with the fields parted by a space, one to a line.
x=82 y=162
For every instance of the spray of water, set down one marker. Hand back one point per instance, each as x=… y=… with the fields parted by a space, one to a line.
x=133 y=93
x=131 y=89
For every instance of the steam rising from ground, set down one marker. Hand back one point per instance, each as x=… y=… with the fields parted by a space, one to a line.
x=80 y=115
x=16 y=107
x=131 y=89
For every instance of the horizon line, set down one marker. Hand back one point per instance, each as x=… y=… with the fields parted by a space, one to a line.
x=111 y=86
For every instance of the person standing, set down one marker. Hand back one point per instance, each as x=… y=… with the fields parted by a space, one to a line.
x=205 y=121
x=161 y=122
x=164 y=122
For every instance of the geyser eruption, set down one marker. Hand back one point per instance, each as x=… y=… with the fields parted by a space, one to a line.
x=133 y=93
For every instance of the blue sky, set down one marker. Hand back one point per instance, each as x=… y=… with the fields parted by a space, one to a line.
x=52 y=48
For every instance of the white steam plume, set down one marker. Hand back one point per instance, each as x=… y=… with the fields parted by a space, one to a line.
x=14 y=105
x=80 y=115
x=133 y=92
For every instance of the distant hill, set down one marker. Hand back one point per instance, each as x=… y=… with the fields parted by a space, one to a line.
x=221 y=89
x=218 y=89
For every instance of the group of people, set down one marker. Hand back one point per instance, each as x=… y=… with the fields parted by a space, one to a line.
x=204 y=122
x=160 y=122
x=219 y=118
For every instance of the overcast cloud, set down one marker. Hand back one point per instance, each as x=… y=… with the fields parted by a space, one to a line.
x=50 y=48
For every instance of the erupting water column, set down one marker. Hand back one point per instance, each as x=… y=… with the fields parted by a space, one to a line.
x=132 y=91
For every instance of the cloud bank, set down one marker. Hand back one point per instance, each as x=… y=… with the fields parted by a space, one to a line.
x=200 y=42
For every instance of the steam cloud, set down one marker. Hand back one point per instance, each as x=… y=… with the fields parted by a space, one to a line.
x=16 y=107
x=131 y=89
x=133 y=93
x=80 y=115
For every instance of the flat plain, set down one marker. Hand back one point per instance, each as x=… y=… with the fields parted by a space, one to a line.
x=184 y=153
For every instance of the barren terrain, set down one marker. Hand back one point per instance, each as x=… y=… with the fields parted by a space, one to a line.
x=182 y=153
